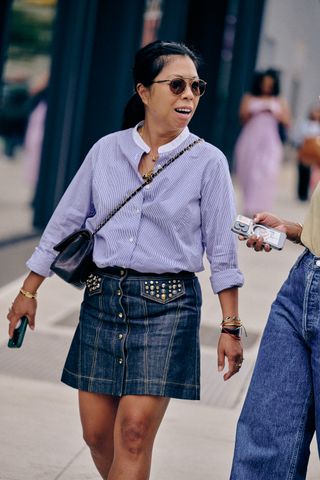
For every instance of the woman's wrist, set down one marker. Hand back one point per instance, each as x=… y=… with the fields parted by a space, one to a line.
x=32 y=283
x=294 y=231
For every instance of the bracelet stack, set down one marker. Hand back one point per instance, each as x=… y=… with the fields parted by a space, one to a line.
x=27 y=294
x=232 y=326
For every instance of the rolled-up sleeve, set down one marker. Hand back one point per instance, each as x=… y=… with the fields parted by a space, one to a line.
x=69 y=215
x=217 y=216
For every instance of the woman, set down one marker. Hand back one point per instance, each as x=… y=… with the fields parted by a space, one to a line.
x=258 y=151
x=281 y=411
x=137 y=343
x=310 y=127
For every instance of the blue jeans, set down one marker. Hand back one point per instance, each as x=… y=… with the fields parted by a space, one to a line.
x=282 y=408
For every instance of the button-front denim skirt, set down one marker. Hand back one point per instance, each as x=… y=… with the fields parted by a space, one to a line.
x=138 y=334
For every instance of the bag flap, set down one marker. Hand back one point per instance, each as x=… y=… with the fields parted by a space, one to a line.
x=78 y=234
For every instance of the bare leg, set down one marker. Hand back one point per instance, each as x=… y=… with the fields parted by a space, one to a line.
x=98 y=413
x=137 y=422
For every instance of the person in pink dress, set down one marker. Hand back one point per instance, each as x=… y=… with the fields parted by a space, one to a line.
x=258 y=150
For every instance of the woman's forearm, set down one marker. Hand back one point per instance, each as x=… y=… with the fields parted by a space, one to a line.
x=229 y=302
x=33 y=282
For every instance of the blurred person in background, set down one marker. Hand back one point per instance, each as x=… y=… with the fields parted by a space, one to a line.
x=307 y=128
x=35 y=130
x=137 y=342
x=14 y=111
x=259 y=150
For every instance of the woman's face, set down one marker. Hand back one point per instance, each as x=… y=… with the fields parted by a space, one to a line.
x=267 y=85
x=170 y=112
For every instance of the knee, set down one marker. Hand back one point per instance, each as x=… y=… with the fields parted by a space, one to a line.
x=133 y=436
x=95 y=439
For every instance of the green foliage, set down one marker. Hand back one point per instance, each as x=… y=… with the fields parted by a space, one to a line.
x=31 y=30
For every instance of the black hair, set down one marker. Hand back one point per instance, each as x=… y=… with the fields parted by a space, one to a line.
x=257 y=81
x=149 y=61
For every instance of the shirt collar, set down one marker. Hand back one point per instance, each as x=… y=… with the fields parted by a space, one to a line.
x=168 y=147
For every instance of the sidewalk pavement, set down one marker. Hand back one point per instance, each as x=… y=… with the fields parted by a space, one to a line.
x=40 y=434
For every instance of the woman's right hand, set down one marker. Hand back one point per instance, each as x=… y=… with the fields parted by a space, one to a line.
x=22 y=306
x=291 y=229
x=269 y=220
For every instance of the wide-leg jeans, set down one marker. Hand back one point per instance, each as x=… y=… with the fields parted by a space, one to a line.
x=282 y=408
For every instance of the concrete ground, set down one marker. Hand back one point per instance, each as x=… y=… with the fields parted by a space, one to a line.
x=40 y=434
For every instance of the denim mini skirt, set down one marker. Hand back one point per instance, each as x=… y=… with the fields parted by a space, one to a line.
x=138 y=334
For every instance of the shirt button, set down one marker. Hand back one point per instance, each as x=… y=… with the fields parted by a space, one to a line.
x=318 y=263
x=147 y=187
x=121 y=272
x=120 y=360
x=131 y=239
x=118 y=292
x=120 y=315
x=137 y=210
x=120 y=336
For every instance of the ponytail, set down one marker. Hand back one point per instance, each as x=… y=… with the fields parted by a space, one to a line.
x=133 y=112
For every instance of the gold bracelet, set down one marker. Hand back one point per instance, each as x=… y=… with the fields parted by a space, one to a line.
x=27 y=294
x=232 y=325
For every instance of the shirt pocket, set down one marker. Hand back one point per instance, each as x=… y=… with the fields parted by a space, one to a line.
x=162 y=291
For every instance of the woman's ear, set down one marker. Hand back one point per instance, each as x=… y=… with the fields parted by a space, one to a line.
x=143 y=93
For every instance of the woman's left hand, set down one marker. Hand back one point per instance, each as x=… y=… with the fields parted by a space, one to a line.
x=232 y=349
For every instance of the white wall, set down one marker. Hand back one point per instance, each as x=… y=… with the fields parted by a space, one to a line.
x=290 y=41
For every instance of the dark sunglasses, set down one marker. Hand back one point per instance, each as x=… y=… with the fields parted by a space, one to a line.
x=178 y=86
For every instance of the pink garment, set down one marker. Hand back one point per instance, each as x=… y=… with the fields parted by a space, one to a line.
x=258 y=154
x=33 y=143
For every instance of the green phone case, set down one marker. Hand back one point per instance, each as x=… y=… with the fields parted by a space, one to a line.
x=18 y=334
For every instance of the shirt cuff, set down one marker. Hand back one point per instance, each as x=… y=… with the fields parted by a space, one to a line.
x=40 y=263
x=226 y=279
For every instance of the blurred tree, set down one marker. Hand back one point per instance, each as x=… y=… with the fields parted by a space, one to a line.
x=31 y=28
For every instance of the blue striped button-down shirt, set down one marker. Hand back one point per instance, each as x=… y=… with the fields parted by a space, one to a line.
x=186 y=210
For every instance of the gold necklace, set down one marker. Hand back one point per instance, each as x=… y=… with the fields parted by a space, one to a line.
x=154 y=158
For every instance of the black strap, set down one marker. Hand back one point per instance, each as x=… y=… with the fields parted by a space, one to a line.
x=148 y=180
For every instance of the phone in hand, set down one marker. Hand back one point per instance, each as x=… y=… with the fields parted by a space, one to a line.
x=18 y=334
x=246 y=227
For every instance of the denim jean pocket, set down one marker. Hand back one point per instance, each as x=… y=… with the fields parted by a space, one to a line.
x=162 y=291
x=94 y=284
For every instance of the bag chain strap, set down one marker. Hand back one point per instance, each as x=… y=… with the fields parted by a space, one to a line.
x=148 y=180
